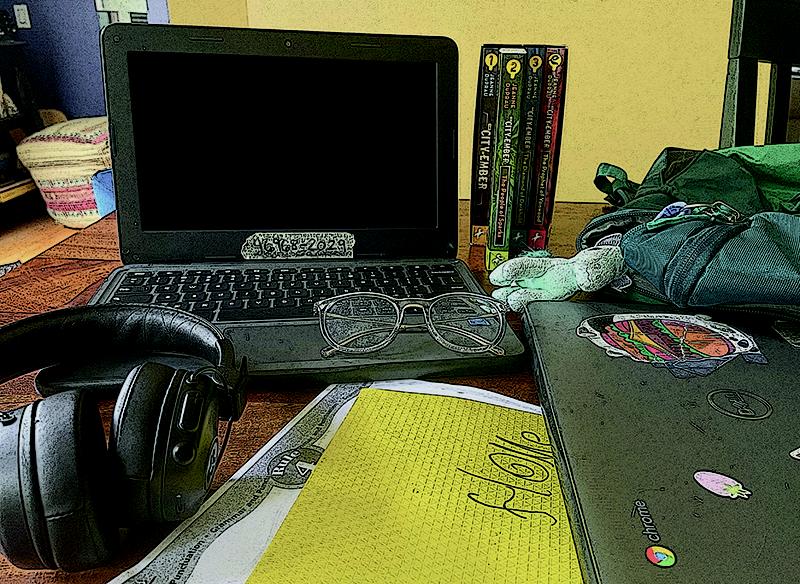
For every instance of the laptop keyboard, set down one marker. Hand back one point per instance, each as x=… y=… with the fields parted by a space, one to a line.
x=227 y=295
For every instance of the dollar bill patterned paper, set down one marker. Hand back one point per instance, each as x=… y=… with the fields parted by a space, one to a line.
x=223 y=542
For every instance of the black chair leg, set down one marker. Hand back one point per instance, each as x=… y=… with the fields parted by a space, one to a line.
x=780 y=87
x=739 y=109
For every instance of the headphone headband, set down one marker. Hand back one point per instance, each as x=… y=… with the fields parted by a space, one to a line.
x=50 y=338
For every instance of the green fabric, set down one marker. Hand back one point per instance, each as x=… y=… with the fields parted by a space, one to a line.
x=776 y=170
x=751 y=179
x=701 y=261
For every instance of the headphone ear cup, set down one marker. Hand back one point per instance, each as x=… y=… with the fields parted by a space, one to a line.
x=136 y=428
x=72 y=470
x=23 y=534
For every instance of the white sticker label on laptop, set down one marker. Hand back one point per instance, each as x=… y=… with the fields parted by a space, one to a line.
x=303 y=245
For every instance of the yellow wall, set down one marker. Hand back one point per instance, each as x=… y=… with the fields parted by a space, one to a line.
x=643 y=74
x=208 y=12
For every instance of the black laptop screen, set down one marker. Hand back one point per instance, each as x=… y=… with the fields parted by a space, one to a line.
x=246 y=142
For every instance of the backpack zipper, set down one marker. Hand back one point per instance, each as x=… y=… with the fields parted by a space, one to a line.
x=612 y=217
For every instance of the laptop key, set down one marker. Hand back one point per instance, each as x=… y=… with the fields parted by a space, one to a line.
x=167 y=297
x=134 y=280
x=220 y=295
x=192 y=288
x=134 y=289
x=194 y=296
x=246 y=314
x=134 y=298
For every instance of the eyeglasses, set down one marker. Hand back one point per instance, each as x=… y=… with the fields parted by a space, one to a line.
x=363 y=322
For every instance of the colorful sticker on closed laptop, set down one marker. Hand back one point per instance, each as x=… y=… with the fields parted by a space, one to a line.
x=660 y=556
x=687 y=345
x=721 y=485
x=301 y=245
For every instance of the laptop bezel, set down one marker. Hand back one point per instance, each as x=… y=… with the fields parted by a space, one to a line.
x=138 y=246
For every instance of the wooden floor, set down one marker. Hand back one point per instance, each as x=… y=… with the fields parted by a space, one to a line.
x=26 y=230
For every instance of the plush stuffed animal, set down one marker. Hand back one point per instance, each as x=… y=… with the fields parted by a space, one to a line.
x=540 y=276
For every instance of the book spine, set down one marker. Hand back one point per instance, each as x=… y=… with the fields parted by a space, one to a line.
x=531 y=105
x=548 y=146
x=483 y=143
x=505 y=158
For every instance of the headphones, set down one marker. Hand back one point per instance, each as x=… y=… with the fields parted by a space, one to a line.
x=63 y=492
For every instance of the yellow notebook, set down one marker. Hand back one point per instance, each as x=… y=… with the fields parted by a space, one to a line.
x=425 y=488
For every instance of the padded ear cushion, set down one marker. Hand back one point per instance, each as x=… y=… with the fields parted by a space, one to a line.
x=71 y=462
x=143 y=409
x=23 y=534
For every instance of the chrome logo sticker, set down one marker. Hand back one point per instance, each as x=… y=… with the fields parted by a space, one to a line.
x=660 y=556
x=684 y=344
x=721 y=485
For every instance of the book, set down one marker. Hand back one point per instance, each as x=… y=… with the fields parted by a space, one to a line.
x=548 y=146
x=483 y=143
x=531 y=105
x=418 y=487
x=505 y=157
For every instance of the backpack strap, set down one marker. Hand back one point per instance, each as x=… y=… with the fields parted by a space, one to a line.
x=614 y=183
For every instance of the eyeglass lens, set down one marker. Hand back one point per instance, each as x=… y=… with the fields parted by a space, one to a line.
x=361 y=323
x=467 y=322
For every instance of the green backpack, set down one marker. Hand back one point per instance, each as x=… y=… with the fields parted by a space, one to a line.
x=731 y=234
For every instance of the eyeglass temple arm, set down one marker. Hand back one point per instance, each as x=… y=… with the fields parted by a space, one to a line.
x=493 y=348
x=330 y=350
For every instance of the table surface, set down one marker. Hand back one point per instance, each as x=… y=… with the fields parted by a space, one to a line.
x=69 y=273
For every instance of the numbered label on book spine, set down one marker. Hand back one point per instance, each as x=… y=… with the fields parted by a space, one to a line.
x=505 y=159
x=548 y=146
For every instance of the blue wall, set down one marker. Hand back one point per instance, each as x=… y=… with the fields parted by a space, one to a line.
x=157 y=11
x=64 y=53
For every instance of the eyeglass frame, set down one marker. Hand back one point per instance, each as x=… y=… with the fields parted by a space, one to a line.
x=400 y=305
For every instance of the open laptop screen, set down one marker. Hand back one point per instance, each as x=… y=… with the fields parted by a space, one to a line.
x=228 y=142
x=217 y=133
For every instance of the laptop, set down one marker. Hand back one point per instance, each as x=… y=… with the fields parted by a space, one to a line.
x=677 y=439
x=229 y=146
